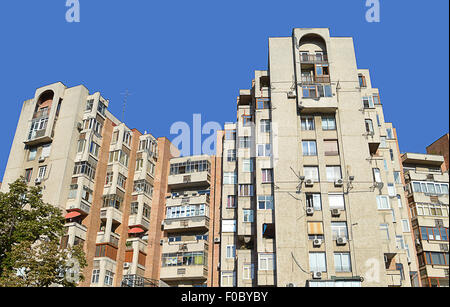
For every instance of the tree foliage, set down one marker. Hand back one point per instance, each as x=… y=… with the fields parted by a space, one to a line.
x=30 y=233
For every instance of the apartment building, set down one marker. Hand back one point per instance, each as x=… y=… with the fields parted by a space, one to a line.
x=312 y=193
x=108 y=179
x=441 y=147
x=426 y=189
x=188 y=244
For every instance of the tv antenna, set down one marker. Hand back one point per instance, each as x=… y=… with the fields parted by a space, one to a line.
x=125 y=97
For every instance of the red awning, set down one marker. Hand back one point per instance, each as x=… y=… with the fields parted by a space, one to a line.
x=136 y=230
x=72 y=214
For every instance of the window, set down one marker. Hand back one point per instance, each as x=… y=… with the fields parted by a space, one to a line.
x=328 y=123
x=95 y=276
x=369 y=126
x=228 y=279
x=115 y=137
x=244 y=142
x=94 y=148
x=309 y=148
x=247 y=165
x=262 y=103
x=391 y=190
x=139 y=164
x=383 y=202
x=434 y=233
x=231 y=251
x=430 y=187
x=376 y=175
x=87 y=194
x=112 y=201
x=119 y=156
x=389 y=134
x=229 y=178
x=391 y=153
x=384 y=228
x=264 y=150
x=267 y=176
x=336 y=201
x=41 y=172
x=378 y=120
x=315 y=229
x=248 y=271
x=266 y=262
x=228 y=225
x=73 y=191
x=368 y=102
x=362 y=81
x=81 y=144
x=175 y=212
x=397 y=178
x=127 y=138
x=183 y=259
x=247 y=120
x=231 y=155
x=248 y=216
x=265 y=202
x=376 y=99
x=230 y=134
x=431 y=209
x=109 y=278
x=90 y=104
x=342 y=262
x=245 y=190
x=94 y=125
x=265 y=125
x=311 y=172
x=333 y=173
x=399 y=201
x=231 y=201
x=405 y=226
x=339 y=230
x=101 y=108
x=109 y=178
x=383 y=143
x=307 y=123
x=32 y=154
x=314 y=201
x=146 y=211
x=28 y=173
x=134 y=208
x=143 y=186
x=121 y=181
x=331 y=147
x=317 y=262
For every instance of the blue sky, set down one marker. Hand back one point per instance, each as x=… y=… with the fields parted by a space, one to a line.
x=183 y=57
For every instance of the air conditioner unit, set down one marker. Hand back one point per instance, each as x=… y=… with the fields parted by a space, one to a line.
x=418 y=242
x=341 y=240
x=42 y=158
x=126 y=265
x=317 y=275
x=216 y=240
x=79 y=126
x=309 y=183
x=292 y=94
x=310 y=211
x=38 y=180
x=290 y=285
x=317 y=242
x=339 y=183
x=335 y=212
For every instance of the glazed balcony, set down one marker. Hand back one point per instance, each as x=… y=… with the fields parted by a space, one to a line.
x=186 y=272
x=187 y=223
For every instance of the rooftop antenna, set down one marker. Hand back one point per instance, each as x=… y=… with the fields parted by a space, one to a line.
x=125 y=97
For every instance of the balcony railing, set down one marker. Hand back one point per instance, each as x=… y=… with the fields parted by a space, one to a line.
x=41 y=113
x=113 y=238
x=315 y=80
x=313 y=58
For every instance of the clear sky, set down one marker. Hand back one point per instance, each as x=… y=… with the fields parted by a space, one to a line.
x=183 y=57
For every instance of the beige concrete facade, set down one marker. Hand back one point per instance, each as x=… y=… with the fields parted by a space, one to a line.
x=312 y=191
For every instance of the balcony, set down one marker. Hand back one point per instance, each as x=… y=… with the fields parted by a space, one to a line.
x=137 y=244
x=111 y=212
x=186 y=272
x=112 y=239
x=188 y=180
x=394 y=278
x=79 y=206
x=138 y=220
x=189 y=244
x=188 y=200
x=309 y=58
x=76 y=229
x=315 y=80
x=187 y=223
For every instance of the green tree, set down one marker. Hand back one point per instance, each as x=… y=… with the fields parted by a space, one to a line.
x=30 y=232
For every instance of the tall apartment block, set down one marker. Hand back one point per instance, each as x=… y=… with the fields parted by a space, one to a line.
x=188 y=244
x=426 y=189
x=312 y=191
